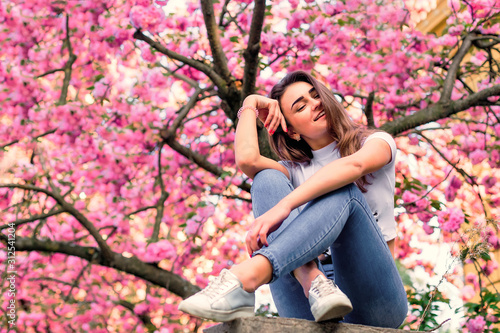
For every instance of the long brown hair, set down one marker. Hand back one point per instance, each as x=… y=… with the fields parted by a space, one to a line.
x=348 y=135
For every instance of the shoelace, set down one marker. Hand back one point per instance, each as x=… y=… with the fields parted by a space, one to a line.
x=215 y=287
x=324 y=288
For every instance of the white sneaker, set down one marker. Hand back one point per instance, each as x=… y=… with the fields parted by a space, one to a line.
x=222 y=300
x=327 y=301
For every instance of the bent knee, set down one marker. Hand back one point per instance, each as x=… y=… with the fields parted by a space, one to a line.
x=267 y=179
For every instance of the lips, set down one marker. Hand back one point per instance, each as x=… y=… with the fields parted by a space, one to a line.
x=321 y=114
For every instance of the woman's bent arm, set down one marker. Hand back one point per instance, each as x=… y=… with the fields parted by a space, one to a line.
x=246 y=143
x=371 y=157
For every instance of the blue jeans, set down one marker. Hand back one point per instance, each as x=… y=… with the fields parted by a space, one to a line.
x=342 y=221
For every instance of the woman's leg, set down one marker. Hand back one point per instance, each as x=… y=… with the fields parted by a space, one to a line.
x=364 y=267
x=268 y=188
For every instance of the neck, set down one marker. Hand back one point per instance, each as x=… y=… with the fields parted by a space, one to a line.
x=318 y=144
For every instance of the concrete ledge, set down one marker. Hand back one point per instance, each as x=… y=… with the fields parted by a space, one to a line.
x=287 y=325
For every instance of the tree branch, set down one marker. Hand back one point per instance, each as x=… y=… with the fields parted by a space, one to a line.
x=140 y=210
x=480 y=42
x=171 y=130
x=200 y=160
x=52 y=71
x=68 y=68
x=369 y=110
x=145 y=318
x=35 y=138
x=181 y=77
x=218 y=55
x=173 y=282
x=461 y=171
x=449 y=82
x=207 y=70
x=160 y=206
x=33 y=218
x=223 y=12
x=440 y=110
x=251 y=54
x=69 y=208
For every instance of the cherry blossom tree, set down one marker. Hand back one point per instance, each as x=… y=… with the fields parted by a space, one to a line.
x=117 y=118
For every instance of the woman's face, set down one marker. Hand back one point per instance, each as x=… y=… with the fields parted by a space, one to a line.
x=302 y=108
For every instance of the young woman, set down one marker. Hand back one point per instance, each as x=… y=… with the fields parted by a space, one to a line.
x=333 y=190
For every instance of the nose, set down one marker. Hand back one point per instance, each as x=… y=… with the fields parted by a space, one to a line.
x=316 y=104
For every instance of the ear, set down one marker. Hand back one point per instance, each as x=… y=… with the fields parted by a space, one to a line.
x=292 y=134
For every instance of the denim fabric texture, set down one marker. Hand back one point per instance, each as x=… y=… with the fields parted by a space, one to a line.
x=342 y=221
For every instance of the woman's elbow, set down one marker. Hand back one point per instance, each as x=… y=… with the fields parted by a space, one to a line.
x=358 y=169
x=247 y=164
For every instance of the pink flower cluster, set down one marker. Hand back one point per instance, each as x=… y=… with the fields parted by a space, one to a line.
x=160 y=250
x=451 y=220
x=451 y=191
x=476 y=325
x=147 y=18
x=477 y=156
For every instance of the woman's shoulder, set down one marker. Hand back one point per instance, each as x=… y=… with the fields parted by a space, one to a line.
x=381 y=135
x=290 y=164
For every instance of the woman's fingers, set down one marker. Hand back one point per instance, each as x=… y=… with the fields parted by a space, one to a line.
x=252 y=239
x=263 y=237
x=276 y=119
x=283 y=124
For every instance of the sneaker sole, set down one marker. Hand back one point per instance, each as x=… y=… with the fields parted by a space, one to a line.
x=217 y=315
x=335 y=311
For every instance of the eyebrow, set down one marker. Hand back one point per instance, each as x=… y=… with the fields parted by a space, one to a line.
x=301 y=97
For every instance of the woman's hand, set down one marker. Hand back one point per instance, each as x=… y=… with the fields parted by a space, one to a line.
x=264 y=225
x=269 y=112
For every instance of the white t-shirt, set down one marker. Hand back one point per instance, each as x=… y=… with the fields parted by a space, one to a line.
x=380 y=193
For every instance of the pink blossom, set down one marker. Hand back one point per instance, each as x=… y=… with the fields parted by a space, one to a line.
x=100 y=88
x=422 y=204
x=472 y=279
x=155 y=78
x=192 y=227
x=497 y=130
x=143 y=3
x=492 y=318
x=494 y=241
x=5 y=197
x=141 y=308
x=414 y=139
x=455 y=182
x=410 y=197
x=303 y=41
x=294 y=3
x=451 y=220
x=489 y=181
x=206 y=211
x=456 y=30
x=450 y=194
x=467 y=293
x=147 y=18
x=428 y=229
x=476 y=325
x=146 y=54
x=490 y=267
x=27 y=170
x=160 y=250
x=425 y=216
x=459 y=129
x=478 y=156
x=494 y=160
